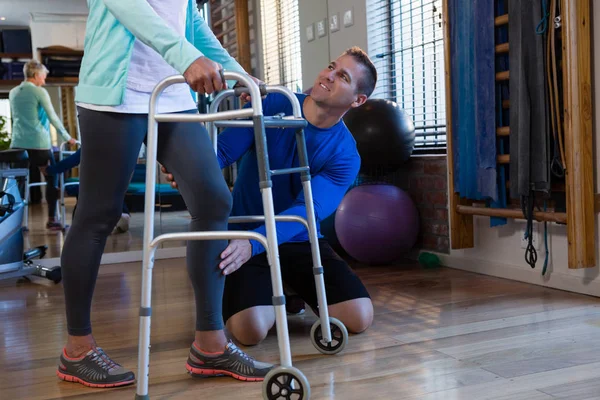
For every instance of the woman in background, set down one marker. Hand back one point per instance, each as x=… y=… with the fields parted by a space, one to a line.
x=32 y=112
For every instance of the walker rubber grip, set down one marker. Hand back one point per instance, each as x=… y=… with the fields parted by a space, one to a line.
x=238 y=91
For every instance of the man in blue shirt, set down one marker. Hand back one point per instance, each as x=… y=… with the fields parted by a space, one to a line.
x=334 y=162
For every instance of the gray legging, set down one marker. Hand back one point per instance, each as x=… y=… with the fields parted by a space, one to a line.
x=110 y=146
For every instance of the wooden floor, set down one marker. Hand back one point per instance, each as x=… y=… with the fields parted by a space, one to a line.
x=438 y=335
x=164 y=222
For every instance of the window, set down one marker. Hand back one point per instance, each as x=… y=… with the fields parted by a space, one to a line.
x=5 y=130
x=203 y=10
x=5 y=112
x=406 y=44
x=280 y=24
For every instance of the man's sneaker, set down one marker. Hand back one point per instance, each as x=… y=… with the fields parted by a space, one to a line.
x=122 y=225
x=232 y=362
x=95 y=369
x=294 y=305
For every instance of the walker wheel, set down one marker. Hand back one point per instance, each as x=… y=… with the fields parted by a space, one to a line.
x=286 y=383
x=339 y=337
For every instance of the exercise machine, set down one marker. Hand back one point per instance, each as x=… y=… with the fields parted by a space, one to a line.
x=14 y=262
x=62 y=184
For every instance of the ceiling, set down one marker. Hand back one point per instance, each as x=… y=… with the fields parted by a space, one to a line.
x=17 y=12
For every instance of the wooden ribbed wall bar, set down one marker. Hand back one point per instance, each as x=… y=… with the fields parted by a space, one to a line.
x=577 y=78
x=461 y=225
x=582 y=203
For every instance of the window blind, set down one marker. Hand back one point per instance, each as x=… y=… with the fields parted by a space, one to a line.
x=280 y=24
x=203 y=10
x=405 y=39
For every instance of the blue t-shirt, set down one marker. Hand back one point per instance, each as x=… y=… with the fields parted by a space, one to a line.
x=334 y=164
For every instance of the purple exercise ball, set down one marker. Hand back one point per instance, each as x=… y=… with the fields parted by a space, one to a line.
x=376 y=224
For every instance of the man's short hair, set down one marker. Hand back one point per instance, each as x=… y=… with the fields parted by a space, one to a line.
x=33 y=67
x=367 y=84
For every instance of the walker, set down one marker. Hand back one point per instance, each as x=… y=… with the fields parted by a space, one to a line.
x=285 y=380
x=60 y=211
x=61 y=156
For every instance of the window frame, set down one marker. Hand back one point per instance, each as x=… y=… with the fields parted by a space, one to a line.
x=387 y=48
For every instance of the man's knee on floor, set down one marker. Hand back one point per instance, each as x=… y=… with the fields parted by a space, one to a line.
x=361 y=322
x=356 y=315
x=250 y=327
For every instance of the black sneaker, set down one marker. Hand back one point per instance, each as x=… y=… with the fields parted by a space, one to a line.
x=294 y=305
x=232 y=362
x=95 y=369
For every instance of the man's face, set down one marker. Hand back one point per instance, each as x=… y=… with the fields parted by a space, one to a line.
x=336 y=85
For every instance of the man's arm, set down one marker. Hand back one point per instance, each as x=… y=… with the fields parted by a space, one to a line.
x=143 y=22
x=233 y=143
x=44 y=99
x=328 y=189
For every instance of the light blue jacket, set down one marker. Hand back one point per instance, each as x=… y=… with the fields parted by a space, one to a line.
x=32 y=113
x=112 y=27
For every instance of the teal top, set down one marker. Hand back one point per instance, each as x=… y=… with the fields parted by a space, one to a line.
x=31 y=114
x=111 y=29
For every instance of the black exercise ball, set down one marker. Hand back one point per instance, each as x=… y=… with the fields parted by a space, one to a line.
x=384 y=134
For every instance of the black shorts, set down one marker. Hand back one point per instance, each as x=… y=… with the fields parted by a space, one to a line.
x=251 y=286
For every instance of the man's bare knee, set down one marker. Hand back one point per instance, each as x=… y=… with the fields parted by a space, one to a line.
x=356 y=315
x=251 y=326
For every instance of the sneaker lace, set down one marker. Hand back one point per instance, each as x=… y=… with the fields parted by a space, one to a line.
x=235 y=350
x=103 y=360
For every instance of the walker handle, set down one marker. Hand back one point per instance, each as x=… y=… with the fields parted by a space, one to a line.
x=240 y=90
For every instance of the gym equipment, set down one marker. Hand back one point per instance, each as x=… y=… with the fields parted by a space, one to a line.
x=429 y=260
x=13 y=261
x=285 y=379
x=60 y=210
x=61 y=156
x=384 y=134
x=28 y=187
x=377 y=223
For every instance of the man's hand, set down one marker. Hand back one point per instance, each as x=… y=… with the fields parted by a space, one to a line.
x=72 y=141
x=235 y=255
x=204 y=76
x=246 y=96
x=169 y=177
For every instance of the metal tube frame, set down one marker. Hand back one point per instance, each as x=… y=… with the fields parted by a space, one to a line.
x=151 y=243
x=61 y=201
x=61 y=156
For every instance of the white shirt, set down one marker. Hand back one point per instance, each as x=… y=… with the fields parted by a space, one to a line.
x=147 y=68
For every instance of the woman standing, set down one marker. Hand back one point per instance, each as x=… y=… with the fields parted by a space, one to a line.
x=130 y=46
x=32 y=111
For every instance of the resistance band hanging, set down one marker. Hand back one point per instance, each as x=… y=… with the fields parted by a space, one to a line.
x=558 y=163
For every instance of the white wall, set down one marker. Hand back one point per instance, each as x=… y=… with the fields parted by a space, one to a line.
x=18 y=12
x=318 y=53
x=315 y=54
x=57 y=30
x=498 y=250
x=355 y=35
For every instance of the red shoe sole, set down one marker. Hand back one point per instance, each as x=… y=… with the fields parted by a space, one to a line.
x=217 y=372
x=74 y=379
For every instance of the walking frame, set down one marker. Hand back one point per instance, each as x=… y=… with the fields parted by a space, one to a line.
x=62 y=210
x=285 y=380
